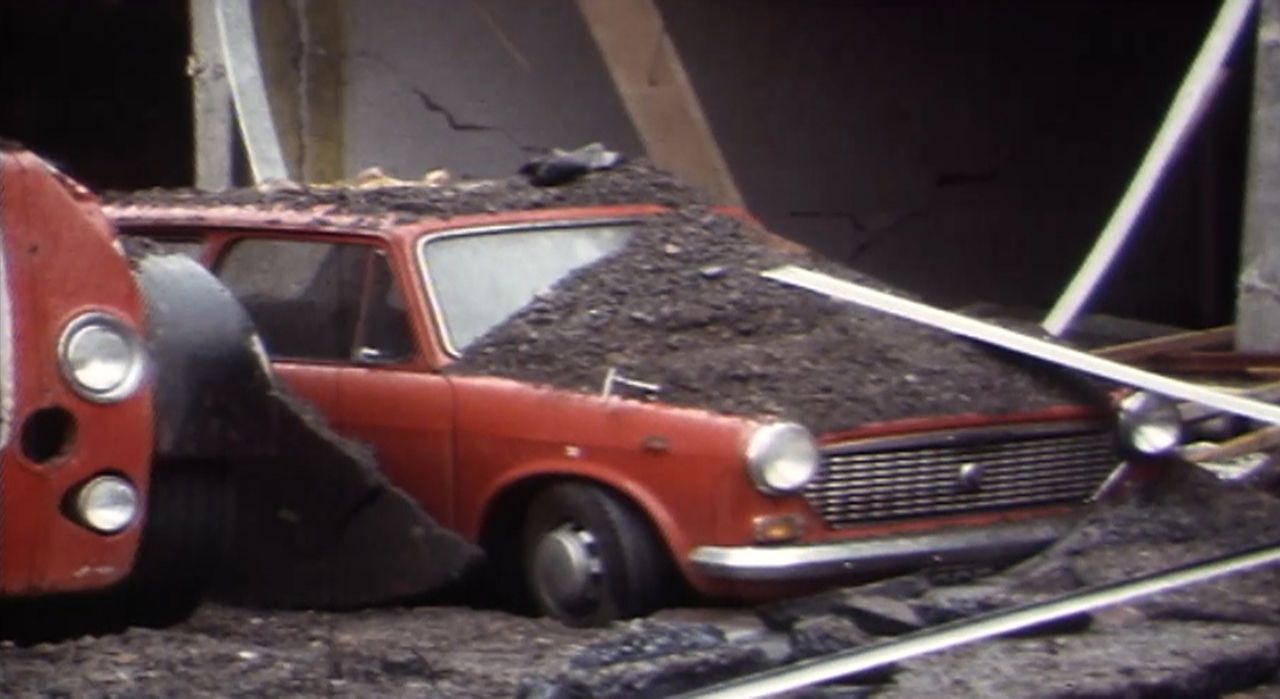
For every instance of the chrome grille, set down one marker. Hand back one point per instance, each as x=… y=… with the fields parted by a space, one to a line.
x=960 y=472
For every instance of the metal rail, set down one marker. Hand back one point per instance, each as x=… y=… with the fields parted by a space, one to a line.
x=1188 y=106
x=958 y=633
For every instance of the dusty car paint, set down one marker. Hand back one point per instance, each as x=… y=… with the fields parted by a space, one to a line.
x=471 y=448
x=60 y=260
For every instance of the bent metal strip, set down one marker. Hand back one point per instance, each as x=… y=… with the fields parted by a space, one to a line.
x=965 y=631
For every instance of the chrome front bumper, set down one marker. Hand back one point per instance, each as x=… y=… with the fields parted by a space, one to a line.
x=877 y=555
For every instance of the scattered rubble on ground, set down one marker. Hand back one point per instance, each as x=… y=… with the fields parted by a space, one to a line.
x=1201 y=641
x=1206 y=640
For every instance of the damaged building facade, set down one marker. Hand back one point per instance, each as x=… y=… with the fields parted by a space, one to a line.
x=969 y=152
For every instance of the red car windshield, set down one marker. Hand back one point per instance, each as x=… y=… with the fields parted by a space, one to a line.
x=478 y=279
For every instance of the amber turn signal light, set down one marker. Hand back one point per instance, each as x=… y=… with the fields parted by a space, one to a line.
x=776 y=529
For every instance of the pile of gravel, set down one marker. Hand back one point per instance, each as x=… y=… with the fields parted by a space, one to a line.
x=683 y=306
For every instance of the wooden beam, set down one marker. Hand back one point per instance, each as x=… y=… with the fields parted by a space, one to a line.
x=1259 y=440
x=1196 y=339
x=655 y=89
x=1229 y=362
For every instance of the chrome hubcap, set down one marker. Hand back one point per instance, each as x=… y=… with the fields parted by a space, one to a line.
x=567 y=567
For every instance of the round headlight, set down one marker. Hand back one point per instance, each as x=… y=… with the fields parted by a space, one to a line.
x=107 y=504
x=1150 y=424
x=782 y=458
x=101 y=357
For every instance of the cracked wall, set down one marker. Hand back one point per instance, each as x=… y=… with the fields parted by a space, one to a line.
x=966 y=151
x=974 y=150
x=474 y=87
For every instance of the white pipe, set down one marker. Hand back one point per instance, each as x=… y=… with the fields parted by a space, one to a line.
x=1192 y=98
x=1023 y=344
x=948 y=636
x=248 y=92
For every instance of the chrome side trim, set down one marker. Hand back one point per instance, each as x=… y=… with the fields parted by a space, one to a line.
x=877 y=555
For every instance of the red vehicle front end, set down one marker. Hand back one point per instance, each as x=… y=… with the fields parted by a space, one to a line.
x=76 y=421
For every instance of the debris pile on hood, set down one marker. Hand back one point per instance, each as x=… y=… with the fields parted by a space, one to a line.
x=683 y=306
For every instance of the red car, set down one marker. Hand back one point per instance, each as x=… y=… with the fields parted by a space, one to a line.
x=597 y=504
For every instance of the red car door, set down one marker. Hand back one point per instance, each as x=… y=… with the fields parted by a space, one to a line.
x=389 y=399
x=334 y=322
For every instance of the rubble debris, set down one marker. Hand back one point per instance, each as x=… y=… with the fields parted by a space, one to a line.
x=635 y=182
x=561 y=166
x=825 y=634
x=881 y=616
x=649 y=659
x=1162 y=646
x=737 y=343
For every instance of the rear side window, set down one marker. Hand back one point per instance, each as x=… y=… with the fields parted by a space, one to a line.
x=317 y=300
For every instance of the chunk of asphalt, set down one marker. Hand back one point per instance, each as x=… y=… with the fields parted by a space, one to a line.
x=783 y=614
x=825 y=634
x=882 y=616
x=651 y=659
x=946 y=604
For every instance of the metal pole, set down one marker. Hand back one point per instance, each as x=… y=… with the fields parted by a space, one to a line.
x=1023 y=344
x=1193 y=96
x=253 y=107
x=952 y=635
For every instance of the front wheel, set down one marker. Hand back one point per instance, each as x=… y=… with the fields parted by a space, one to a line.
x=590 y=557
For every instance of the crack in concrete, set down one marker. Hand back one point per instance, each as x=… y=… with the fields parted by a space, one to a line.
x=431 y=105
x=449 y=118
x=867 y=236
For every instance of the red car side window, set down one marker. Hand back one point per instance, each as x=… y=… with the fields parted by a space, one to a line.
x=303 y=295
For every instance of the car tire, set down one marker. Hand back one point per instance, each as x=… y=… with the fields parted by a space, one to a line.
x=589 y=557
x=185 y=542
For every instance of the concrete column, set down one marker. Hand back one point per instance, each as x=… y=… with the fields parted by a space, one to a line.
x=1258 y=306
x=211 y=100
x=323 y=44
x=301 y=46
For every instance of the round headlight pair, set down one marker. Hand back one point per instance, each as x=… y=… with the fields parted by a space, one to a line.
x=782 y=458
x=1150 y=424
x=101 y=357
